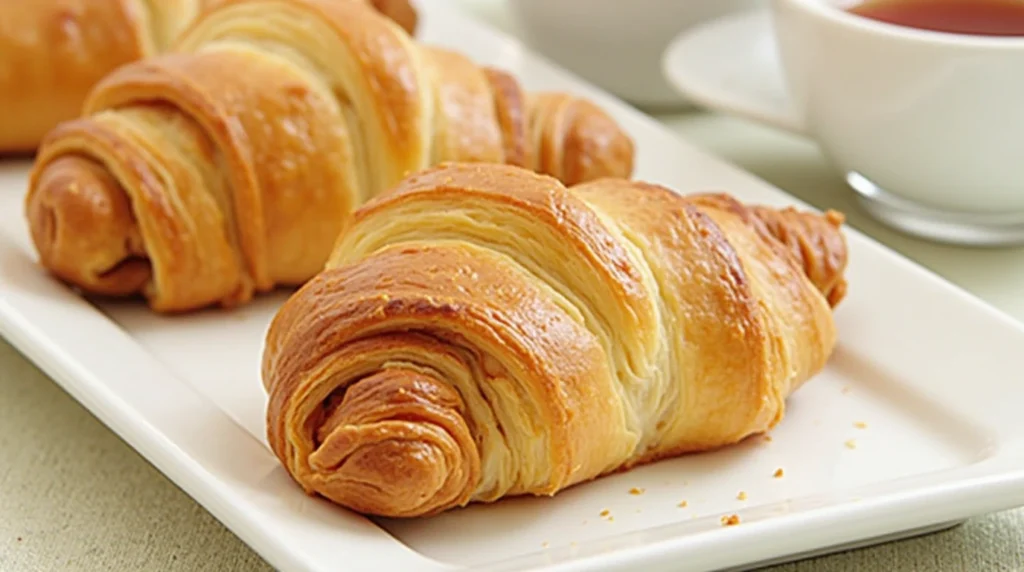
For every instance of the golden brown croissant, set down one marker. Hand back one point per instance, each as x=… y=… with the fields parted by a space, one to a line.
x=227 y=168
x=483 y=331
x=52 y=52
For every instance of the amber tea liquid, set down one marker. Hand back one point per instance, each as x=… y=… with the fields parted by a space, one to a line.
x=971 y=17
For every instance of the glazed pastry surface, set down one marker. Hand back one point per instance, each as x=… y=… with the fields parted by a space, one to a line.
x=228 y=166
x=53 y=52
x=481 y=331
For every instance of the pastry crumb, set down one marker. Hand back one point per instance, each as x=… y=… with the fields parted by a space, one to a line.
x=768 y=438
x=860 y=425
x=742 y=495
x=605 y=513
x=683 y=504
x=636 y=491
x=851 y=444
x=778 y=473
x=544 y=544
x=730 y=520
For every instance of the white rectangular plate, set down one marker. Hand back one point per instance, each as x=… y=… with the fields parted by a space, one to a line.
x=933 y=375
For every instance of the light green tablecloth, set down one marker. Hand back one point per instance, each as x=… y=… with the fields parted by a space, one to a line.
x=73 y=496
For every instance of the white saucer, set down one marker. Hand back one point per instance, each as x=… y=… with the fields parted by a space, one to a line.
x=731 y=65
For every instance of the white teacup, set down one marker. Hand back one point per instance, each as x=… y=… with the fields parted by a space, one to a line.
x=617 y=44
x=927 y=127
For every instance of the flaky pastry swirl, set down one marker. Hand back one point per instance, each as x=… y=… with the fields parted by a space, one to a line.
x=482 y=331
x=228 y=166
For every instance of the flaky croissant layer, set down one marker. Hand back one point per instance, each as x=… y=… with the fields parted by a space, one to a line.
x=53 y=52
x=228 y=166
x=482 y=331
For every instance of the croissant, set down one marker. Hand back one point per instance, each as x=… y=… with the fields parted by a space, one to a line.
x=53 y=52
x=225 y=169
x=482 y=332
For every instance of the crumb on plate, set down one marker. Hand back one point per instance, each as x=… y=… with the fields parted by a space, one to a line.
x=778 y=473
x=605 y=512
x=544 y=544
x=742 y=495
x=860 y=425
x=730 y=520
x=851 y=444
x=768 y=438
x=683 y=504
x=636 y=491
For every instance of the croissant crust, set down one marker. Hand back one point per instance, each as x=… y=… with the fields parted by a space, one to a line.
x=54 y=52
x=228 y=166
x=482 y=331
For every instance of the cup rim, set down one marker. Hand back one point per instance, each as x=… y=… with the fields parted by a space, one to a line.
x=829 y=11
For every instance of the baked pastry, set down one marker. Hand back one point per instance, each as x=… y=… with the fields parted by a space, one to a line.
x=52 y=52
x=228 y=167
x=483 y=332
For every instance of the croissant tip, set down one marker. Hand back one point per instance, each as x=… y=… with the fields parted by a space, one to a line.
x=835 y=218
x=401 y=12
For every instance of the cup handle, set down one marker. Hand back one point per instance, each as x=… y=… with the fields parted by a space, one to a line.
x=748 y=84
